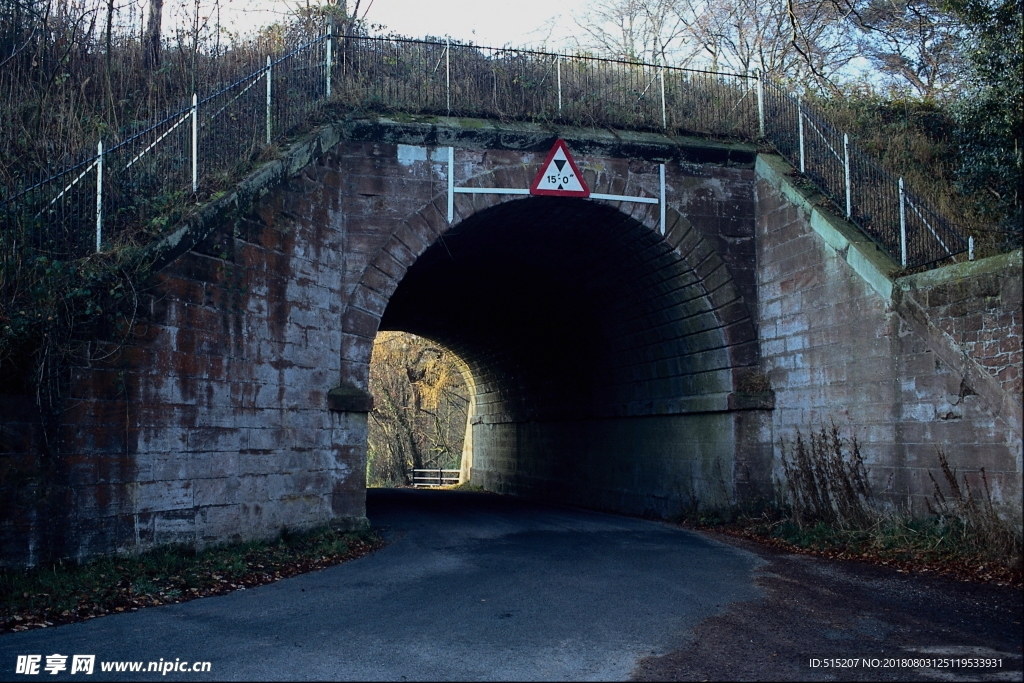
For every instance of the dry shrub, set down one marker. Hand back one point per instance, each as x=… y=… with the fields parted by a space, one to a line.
x=918 y=141
x=826 y=480
x=65 y=83
x=971 y=520
x=827 y=504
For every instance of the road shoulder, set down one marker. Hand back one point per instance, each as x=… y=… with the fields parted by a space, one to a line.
x=867 y=617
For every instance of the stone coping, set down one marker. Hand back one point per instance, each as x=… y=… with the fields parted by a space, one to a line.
x=1000 y=263
x=850 y=243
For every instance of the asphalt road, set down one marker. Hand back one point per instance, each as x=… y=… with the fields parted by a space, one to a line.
x=470 y=587
x=480 y=587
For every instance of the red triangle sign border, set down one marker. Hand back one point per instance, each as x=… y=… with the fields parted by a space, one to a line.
x=535 y=186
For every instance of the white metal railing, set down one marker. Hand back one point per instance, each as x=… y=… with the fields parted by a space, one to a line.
x=434 y=477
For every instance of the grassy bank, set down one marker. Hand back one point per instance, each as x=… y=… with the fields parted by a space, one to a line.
x=67 y=592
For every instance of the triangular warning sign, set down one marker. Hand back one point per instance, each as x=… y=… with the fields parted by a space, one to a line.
x=559 y=175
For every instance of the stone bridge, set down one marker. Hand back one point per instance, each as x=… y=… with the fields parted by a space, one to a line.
x=619 y=360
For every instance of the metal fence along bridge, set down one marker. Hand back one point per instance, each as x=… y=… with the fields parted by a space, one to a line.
x=190 y=152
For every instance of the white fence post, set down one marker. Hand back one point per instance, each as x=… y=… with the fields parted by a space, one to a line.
x=664 y=116
x=760 y=104
x=99 y=195
x=330 y=60
x=195 y=143
x=558 y=68
x=846 y=169
x=268 y=99
x=903 y=226
x=800 y=128
x=970 y=247
x=451 y=185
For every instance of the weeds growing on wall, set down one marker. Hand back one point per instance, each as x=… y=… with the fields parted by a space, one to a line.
x=825 y=504
x=825 y=480
x=969 y=520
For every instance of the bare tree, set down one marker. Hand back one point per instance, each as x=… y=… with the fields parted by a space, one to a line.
x=644 y=30
x=152 y=42
x=798 y=39
x=420 y=408
x=913 y=42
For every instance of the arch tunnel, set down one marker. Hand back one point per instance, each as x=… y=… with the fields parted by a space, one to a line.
x=604 y=357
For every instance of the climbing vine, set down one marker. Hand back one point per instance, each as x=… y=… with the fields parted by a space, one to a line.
x=52 y=312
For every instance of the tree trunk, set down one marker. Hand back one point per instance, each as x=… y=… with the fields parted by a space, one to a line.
x=151 y=45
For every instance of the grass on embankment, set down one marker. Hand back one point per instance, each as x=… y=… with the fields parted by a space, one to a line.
x=66 y=592
x=828 y=508
x=918 y=545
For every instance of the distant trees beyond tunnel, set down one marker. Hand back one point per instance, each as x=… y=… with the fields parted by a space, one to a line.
x=420 y=407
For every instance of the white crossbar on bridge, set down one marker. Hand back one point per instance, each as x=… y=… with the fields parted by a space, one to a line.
x=453 y=190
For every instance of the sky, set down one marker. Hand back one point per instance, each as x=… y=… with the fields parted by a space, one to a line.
x=519 y=23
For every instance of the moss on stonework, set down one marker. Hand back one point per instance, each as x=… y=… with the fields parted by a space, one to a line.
x=403 y=117
x=946 y=275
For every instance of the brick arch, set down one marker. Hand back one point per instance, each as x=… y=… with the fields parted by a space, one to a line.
x=676 y=346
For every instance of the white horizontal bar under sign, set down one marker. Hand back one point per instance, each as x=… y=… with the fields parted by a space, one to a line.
x=623 y=198
x=491 y=190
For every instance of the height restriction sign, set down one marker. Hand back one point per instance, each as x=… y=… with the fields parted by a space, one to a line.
x=559 y=175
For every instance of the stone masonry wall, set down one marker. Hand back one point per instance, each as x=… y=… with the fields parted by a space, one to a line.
x=979 y=306
x=211 y=425
x=238 y=408
x=842 y=343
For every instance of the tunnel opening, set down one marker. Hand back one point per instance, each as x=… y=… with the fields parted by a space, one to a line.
x=421 y=400
x=601 y=354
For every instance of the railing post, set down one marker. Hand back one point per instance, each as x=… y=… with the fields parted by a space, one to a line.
x=558 y=68
x=195 y=143
x=330 y=57
x=99 y=195
x=664 y=116
x=448 y=74
x=800 y=128
x=903 y=226
x=846 y=170
x=268 y=99
x=760 y=104
x=970 y=247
